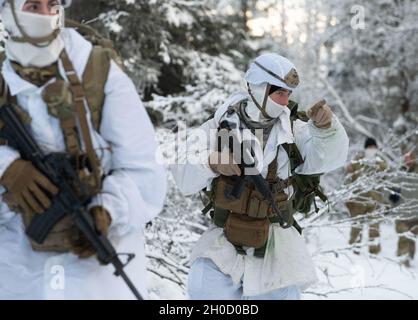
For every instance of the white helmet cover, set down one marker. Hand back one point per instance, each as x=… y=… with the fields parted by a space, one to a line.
x=273 y=69
x=269 y=70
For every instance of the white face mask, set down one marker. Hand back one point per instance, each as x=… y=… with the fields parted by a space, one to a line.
x=35 y=25
x=370 y=153
x=272 y=109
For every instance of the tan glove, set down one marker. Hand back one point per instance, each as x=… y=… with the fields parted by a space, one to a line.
x=224 y=164
x=79 y=243
x=28 y=190
x=321 y=115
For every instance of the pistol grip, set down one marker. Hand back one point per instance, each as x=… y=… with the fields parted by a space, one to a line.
x=42 y=224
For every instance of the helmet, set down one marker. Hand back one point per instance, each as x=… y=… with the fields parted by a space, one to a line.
x=267 y=71
x=273 y=69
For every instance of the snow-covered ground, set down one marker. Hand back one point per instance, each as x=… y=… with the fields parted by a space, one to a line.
x=342 y=274
x=345 y=275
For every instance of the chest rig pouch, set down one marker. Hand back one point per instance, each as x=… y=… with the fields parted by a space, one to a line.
x=246 y=220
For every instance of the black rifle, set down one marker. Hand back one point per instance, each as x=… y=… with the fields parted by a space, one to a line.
x=57 y=167
x=260 y=184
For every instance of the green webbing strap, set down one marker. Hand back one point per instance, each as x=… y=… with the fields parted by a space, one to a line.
x=294 y=155
x=207 y=208
x=220 y=216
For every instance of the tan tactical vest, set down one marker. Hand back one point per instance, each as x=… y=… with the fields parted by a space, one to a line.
x=246 y=220
x=64 y=101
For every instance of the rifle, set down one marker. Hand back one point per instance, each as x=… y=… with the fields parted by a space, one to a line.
x=260 y=184
x=57 y=167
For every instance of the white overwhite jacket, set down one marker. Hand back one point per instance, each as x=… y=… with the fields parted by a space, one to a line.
x=133 y=191
x=287 y=260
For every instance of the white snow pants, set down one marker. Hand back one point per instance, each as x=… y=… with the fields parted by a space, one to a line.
x=207 y=282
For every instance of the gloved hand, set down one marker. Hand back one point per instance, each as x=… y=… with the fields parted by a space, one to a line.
x=321 y=115
x=28 y=190
x=223 y=163
x=79 y=243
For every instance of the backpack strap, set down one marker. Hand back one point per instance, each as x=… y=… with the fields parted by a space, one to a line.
x=94 y=81
x=94 y=77
x=272 y=169
x=294 y=155
x=97 y=69
x=79 y=96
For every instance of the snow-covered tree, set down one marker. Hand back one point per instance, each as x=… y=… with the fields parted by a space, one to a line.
x=184 y=56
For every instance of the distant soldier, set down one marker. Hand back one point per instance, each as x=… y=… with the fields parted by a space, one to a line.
x=365 y=163
x=409 y=224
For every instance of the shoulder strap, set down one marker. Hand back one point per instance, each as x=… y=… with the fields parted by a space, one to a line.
x=294 y=155
x=292 y=149
x=272 y=169
x=79 y=96
x=97 y=69
x=94 y=82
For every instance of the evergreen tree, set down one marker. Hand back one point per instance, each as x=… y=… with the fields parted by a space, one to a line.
x=184 y=56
